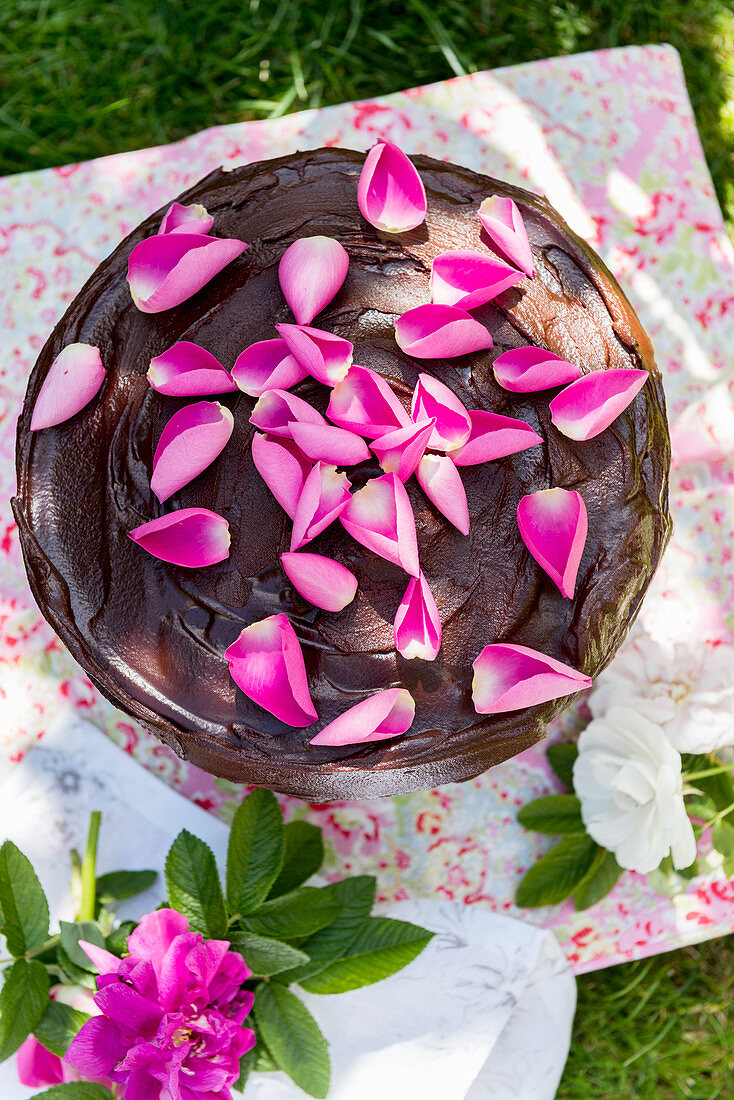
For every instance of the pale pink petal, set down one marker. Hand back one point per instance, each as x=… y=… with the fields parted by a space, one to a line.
x=503 y=223
x=277 y=409
x=553 y=524
x=187 y=370
x=324 y=356
x=73 y=379
x=380 y=517
x=417 y=623
x=311 y=271
x=440 y=332
x=463 y=277
x=266 y=365
x=431 y=399
x=512 y=677
x=365 y=403
x=391 y=194
x=399 y=452
x=325 y=443
x=36 y=1066
x=325 y=495
x=322 y=581
x=186 y=219
x=282 y=467
x=192 y=537
x=441 y=482
x=190 y=441
x=266 y=662
x=163 y=271
x=494 y=436
x=389 y=713
x=589 y=405
x=525 y=370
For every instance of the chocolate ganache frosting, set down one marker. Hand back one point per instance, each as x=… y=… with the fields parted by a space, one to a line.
x=152 y=635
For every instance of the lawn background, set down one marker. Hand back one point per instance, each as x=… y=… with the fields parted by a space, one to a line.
x=80 y=79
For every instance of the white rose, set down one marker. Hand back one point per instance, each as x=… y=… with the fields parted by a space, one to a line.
x=628 y=778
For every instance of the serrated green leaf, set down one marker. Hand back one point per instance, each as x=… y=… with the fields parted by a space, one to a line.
x=58 y=1026
x=264 y=1062
x=193 y=885
x=247 y=1065
x=556 y=815
x=73 y=974
x=264 y=956
x=116 y=942
x=598 y=882
x=382 y=948
x=355 y=896
x=75 y=1090
x=118 y=885
x=72 y=932
x=561 y=758
x=23 y=1000
x=22 y=902
x=293 y=915
x=557 y=874
x=255 y=852
x=293 y=1038
x=303 y=855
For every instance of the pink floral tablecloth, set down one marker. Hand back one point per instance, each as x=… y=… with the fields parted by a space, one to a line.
x=609 y=137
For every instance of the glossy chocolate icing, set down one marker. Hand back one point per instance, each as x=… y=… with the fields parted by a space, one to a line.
x=152 y=636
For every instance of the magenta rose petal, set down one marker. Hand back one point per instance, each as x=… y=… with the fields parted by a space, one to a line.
x=391 y=195
x=266 y=365
x=192 y=537
x=327 y=443
x=266 y=662
x=190 y=441
x=431 y=399
x=277 y=409
x=187 y=370
x=399 y=452
x=323 y=355
x=417 y=624
x=322 y=581
x=494 y=436
x=164 y=271
x=96 y=1048
x=311 y=272
x=440 y=332
x=36 y=1066
x=525 y=370
x=380 y=517
x=103 y=961
x=512 y=677
x=128 y=1008
x=388 y=713
x=325 y=495
x=553 y=525
x=365 y=403
x=282 y=467
x=186 y=219
x=441 y=482
x=503 y=223
x=73 y=379
x=465 y=278
x=589 y=405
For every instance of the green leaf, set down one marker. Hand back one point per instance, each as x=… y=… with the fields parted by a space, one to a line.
x=80 y=930
x=719 y=788
x=557 y=874
x=266 y=956
x=296 y=914
x=598 y=882
x=22 y=902
x=558 y=815
x=23 y=1000
x=117 y=940
x=304 y=854
x=255 y=852
x=193 y=885
x=264 y=1062
x=293 y=1038
x=382 y=947
x=355 y=896
x=561 y=757
x=75 y=1090
x=247 y=1065
x=722 y=838
x=118 y=885
x=58 y=1026
x=73 y=974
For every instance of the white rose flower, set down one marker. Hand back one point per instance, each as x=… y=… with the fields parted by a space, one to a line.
x=628 y=778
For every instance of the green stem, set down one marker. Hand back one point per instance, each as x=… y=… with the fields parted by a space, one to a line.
x=89 y=869
x=719 y=817
x=688 y=776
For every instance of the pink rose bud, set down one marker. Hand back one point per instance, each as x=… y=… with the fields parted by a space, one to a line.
x=311 y=272
x=190 y=441
x=525 y=370
x=192 y=537
x=503 y=224
x=388 y=713
x=493 y=436
x=365 y=403
x=266 y=662
x=326 y=443
x=399 y=452
x=282 y=467
x=186 y=370
x=276 y=410
x=186 y=219
x=322 y=581
x=380 y=517
x=513 y=677
x=440 y=332
x=164 y=271
x=588 y=406
x=431 y=399
x=417 y=623
x=73 y=379
x=391 y=195
x=324 y=356
x=468 y=279
x=325 y=495
x=441 y=482
x=554 y=525
x=267 y=365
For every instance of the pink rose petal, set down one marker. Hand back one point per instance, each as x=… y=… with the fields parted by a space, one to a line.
x=494 y=436
x=282 y=467
x=440 y=332
x=391 y=195
x=193 y=537
x=512 y=677
x=431 y=399
x=554 y=525
x=462 y=277
x=186 y=370
x=163 y=271
x=417 y=623
x=325 y=495
x=266 y=365
x=311 y=271
x=73 y=379
x=266 y=662
x=441 y=482
x=388 y=713
x=503 y=223
x=190 y=441
x=325 y=443
x=186 y=219
x=365 y=403
x=324 y=356
x=525 y=370
x=322 y=581
x=399 y=452
x=380 y=517
x=277 y=409
x=588 y=406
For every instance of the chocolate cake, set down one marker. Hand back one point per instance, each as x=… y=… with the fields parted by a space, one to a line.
x=152 y=635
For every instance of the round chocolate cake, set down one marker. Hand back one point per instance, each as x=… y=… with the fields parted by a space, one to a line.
x=152 y=635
